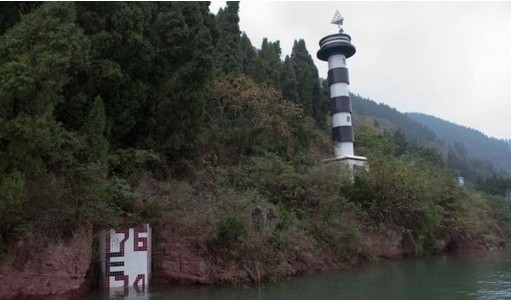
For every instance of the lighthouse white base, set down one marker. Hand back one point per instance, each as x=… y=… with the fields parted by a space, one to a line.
x=355 y=163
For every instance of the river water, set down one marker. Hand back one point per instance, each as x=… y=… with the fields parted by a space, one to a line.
x=482 y=275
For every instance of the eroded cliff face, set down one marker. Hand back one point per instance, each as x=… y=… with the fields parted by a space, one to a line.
x=386 y=243
x=184 y=259
x=53 y=271
x=175 y=259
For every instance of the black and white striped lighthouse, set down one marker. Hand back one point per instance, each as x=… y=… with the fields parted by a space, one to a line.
x=335 y=49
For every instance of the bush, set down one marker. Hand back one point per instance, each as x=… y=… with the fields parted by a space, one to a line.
x=284 y=218
x=229 y=231
x=418 y=197
x=247 y=119
x=130 y=162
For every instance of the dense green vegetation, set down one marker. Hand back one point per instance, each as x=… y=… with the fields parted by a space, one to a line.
x=97 y=98
x=484 y=162
x=467 y=141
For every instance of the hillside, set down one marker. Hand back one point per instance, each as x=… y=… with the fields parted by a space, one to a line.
x=466 y=152
x=117 y=114
x=475 y=143
x=411 y=129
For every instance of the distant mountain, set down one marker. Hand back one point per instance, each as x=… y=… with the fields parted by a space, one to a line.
x=475 y=143
x=466 y=152
x=412 y=129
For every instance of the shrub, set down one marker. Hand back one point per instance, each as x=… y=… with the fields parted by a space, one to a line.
x=247 y=118
x=228 y=231
x=129 y=162
x=284 y=218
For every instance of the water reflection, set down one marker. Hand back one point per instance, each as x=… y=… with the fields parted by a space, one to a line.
x=129 y=293
x=485 y=275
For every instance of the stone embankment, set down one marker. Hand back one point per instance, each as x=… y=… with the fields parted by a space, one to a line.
x=52 y=271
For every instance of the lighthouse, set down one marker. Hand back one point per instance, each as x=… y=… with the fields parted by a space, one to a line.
x=335 y=49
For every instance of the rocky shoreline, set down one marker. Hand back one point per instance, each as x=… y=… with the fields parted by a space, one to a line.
x=49 y=271
x=63 y=269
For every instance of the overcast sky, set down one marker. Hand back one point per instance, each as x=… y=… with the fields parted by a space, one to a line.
x=447 y=59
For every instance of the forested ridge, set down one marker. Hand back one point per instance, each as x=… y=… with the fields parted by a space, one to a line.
x=483 y=161
x=469 y=141
x=118 y=113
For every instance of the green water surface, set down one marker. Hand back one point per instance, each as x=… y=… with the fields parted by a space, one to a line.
x=482 y=275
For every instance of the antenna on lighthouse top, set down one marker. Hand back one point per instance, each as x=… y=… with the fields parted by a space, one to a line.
x=337 y=20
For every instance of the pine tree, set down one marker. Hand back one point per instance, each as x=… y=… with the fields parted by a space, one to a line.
x=37 y=58
x=228 y=57
x=306 y=75
x=320 y=102
x=401 y=143
x=122 y=68
x=185 y=63
x=150 y=63
x=322 y=106
x=288 y=81
x=94 y=133
x=251 y=63
x=270 y=58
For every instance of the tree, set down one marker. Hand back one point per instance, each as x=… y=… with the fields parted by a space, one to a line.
x=421 y=198
x=13 y=193
x=38 y=57
x=11 y=12
x=496 y=184
x=9 y=15
x=307 y=77
x=288 y=81
x=93 y=131
x=251 y=63
x=150 y=63
x=322 y=107
x=270 y=57
x=320 y=103
x=253 y=119
x=176 y=112
x=401 y=143
x=122 y=68
x=228 y=57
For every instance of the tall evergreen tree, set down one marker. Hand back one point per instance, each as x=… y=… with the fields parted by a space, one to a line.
x=401 y=142
x=306 y=75
x=37 y=59
x=288 y=81
x=320 y=103
x=185 y=58
x=272 y=64
x=94 y=133
x=322 y=108
x=228 y=58
x=150 y=62
x=251 y=63
x=122 y=67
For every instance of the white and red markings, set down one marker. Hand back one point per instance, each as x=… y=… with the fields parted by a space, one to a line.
x=127 y=257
